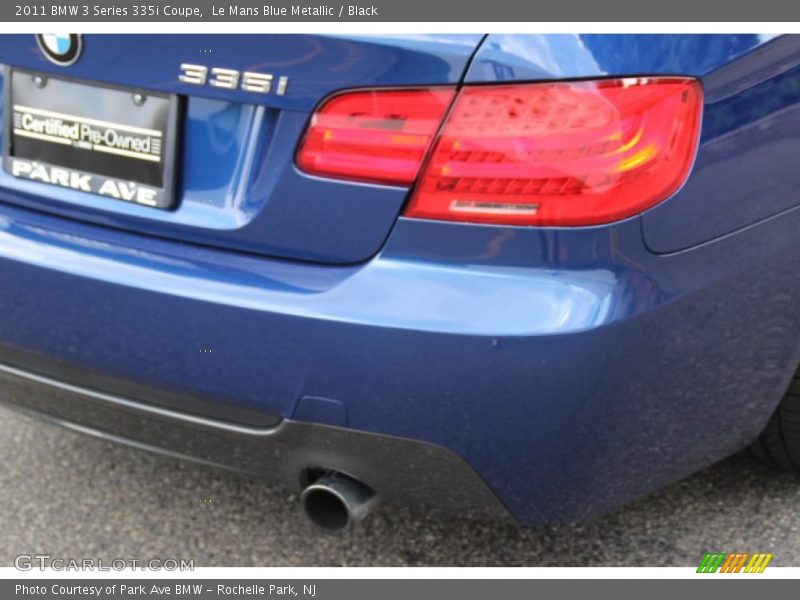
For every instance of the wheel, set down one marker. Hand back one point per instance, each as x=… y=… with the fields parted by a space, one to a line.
x=779 y=445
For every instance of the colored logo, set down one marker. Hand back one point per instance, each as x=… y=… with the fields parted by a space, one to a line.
x=60 y=48
x=734 y=562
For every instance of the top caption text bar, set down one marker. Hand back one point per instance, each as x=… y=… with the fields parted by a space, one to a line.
x=199 y=11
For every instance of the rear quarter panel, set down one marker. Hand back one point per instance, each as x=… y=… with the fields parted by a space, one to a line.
x=746 y=168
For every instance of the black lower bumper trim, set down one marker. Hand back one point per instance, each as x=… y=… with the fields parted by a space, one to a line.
x=58 y=370
x=401 y=471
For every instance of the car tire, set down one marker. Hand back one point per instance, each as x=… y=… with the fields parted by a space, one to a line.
x=779 y=444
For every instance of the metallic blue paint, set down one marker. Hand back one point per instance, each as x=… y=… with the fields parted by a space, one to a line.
x=315 y=64
x=746 y=169
x=240 y=189
x=532 y=57
x=574 y=369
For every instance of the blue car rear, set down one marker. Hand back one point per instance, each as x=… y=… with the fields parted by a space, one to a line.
x=310 y=326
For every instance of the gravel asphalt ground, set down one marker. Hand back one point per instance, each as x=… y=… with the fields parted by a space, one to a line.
x=75 y=496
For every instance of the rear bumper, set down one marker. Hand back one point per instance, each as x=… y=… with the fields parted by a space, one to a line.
x=417 y=474
x=569 y=387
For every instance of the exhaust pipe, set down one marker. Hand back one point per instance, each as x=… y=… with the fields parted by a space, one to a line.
x=336 y=502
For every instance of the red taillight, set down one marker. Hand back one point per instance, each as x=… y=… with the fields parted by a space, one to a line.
x=375 y=135
x=561 y=154
x=576 y=153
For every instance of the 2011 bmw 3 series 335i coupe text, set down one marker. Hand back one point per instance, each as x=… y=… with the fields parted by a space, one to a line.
x=515 y=277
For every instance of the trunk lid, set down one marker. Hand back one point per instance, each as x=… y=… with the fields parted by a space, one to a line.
x=236 y=184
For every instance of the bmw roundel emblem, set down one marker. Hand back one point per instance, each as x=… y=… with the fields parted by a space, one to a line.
x=60 y=48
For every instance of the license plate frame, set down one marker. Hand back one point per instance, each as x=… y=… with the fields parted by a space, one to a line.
x=117 y=142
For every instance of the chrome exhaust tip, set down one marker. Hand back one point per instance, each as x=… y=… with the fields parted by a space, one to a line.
x=336 y=502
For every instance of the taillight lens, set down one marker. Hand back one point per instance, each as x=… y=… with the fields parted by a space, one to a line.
x=377 y=136
x=573 y=153
x=559 y=154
